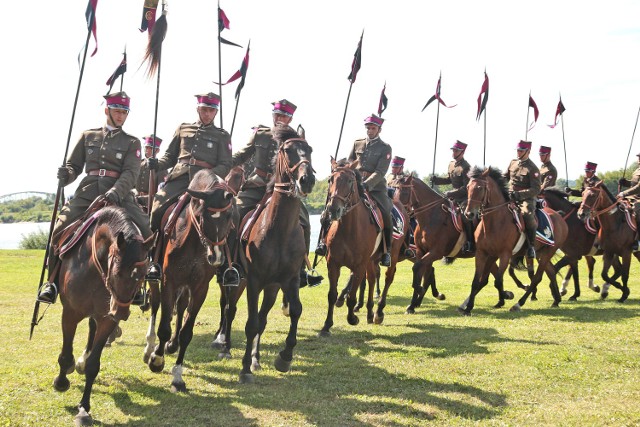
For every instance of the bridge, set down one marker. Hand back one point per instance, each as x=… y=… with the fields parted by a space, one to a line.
x=25 y=195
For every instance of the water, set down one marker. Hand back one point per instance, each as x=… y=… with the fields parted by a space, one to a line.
x=11 y=234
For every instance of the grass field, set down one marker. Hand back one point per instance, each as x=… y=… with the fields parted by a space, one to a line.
x=576 y=365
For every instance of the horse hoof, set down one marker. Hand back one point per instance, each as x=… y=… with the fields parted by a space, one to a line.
x=515 y=307
x=224 y=355
x=324 y=334
x=353 y=320
x=156 y=363
x=79 y=368
x=604 y=295
x=534 y=298
x=285 y=310
x=441 y=297
x=410 y=310
x=563 y=292
x=499 y=305
x=378 y=319
x=555 y=304
x=61 y=384
x=255 y=366
x=178 y=387
x=171 y=347
x=507 y=295
x=339 y=302
x=573 y=298
x=145 y=358
x=596 y=289
x=83 y=418
x=282 y=365
x=464 y=312
x=357 y=308
x=247 y=379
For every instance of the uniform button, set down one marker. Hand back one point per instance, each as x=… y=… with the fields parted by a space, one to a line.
x=102 y=156
x=106 y=142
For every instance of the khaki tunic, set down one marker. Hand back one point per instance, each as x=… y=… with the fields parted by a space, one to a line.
x=586 y=182
x=374 y=158
x=458 y=178
x=633 y=192
x=524 y=178
x=142 y=185
x=393 y=177
x=115 y=151
x=190 y=141
x=548 y=175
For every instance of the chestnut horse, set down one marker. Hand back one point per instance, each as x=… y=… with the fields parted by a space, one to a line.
x=276 y=250
x=498 y=237
x=436 y=237
x=98 y=278
x=192 y=253
x=615 y=236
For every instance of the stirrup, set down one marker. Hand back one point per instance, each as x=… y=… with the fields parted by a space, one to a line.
x=531 y=252
x=231 y=277
x=385 y=261
x=321 y=249
x=140 y=298
x=154 y=273
x=311 y=278
x=48 y=293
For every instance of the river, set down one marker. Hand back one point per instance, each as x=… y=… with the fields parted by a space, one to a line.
x=12 y=234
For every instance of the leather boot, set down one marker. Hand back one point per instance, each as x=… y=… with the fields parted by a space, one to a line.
x=531 y=240
x=385 y=261
x=48 y=293
x=470 y=244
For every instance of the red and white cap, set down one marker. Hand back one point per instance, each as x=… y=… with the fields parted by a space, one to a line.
x=118 y=100
x=284 y=107
x=373 y=119
x=151 y=140
x=210 y=100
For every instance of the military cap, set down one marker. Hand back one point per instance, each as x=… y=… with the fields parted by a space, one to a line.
x=590 y=166
x=397 y=161
x=459 y=145
x=373 y=119
x=118 y=100
x=544 y=150
x=524 y=145
x=210 y=100
x=284 y=107
x=151 y=140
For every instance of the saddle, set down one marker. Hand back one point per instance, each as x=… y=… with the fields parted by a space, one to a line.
x=398 y=223
x=72 y=233
x=544 y=231
x=456 y=215
x=249 y=220
x=168 y=224
x=371 y=205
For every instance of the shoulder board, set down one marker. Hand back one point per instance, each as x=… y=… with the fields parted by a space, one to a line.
x=260 y=128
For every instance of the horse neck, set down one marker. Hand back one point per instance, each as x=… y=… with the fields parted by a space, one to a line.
x=496 y=205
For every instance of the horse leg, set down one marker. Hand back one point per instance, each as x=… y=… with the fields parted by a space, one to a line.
x=564 y=261
x=65 y=358
x=82 y=360
x=181 y=305
x=218 y=337
x=361 y=289
x=268 y=300
x=167 y=301
x=499 y=285
x=283 y=362
x=104 y=328
x=198 y=294
x=372 y=276
x=480 y=279
x=553 y=283
x=418 y=291
x=250 y=330
x=285 y=305
x=591 y=261
x=544 y=258
x=344 y=292
x=624 y=269
x=390 y=274
x=333 y=272
x=358 y=276
x=530 y=274
x=224 y=338
x=151 y=330
x=607 y=260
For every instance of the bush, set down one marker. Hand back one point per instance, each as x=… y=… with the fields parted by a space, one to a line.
x=34 y=240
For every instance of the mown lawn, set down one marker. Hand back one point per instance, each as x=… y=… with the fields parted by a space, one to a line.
x=576 y=365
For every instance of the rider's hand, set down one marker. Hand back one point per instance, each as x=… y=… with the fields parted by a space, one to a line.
x=448 y=194
x=153 y=163
x=514 y=196
x=567 y=189
x=432 y=180
x=63 y=173
x=620 y=195
x=112 y=196
x=624 y=182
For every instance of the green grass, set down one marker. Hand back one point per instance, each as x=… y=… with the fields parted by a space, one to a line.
x=576 y=365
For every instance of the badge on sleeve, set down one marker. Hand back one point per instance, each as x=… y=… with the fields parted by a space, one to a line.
x=230 y=146
x=536 y=174
x=209 y=144
x=388 y=156
x=138 y=153
x=119 y=156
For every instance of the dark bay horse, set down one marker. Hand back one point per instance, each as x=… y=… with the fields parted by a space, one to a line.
x=498 y=238
x=615 y=236
x=192 y=254
x=276 y=249
x=98 y=279
x=436 y=236
x=351 y=239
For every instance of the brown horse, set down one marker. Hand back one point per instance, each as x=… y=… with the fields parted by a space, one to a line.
x=276 y=249
x=192 y=253
x=498 y=238
x=352 y=239
x=436 y=237
x=99 y=277
x=615 y=236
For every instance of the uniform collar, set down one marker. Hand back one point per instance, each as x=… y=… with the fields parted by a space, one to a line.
x=372 y=141
x=202 y=125
x=110 y=130
x=458 y=161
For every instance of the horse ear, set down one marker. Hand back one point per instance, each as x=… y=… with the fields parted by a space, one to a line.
x=121 y=241
x=333 y=163
x=485 y=172
x=301 y=132
x=197 y=194
x=228 y=195
x=354 y=164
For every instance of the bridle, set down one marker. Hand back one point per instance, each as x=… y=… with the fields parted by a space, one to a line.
x=593 y=213
x=198 y=221
x=347 y=200
x=107 y=275
x=482 y=184
x=288 y=188
x=413 y=206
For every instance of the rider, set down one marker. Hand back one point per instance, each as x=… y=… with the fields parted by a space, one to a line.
x=151 y=144
x=590 y=179
x=194 y=146
x=258 y=158
x=111 y=159
x=548 y=172
x=397 y=172
x=633 y=193
x=457 y=177
x=524 y=187
x=374 y=156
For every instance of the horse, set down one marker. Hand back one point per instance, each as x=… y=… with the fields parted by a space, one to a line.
x=497 y=240
x=352 y=239
x=99 y=276
x=436 y=237
x=276 y=249
x=192 y=254
x=615 y=236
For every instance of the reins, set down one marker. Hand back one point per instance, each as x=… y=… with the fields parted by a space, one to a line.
x=198 y=222
x=594 y=213
x=484 y=210
x=288 y=188
x=348 y=199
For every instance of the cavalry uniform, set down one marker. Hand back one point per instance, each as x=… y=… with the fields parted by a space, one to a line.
x=142 y=185
x=397 y=172
x=548 y=172
x=633 y=193
x=194 y=146
x=524 y=187
x=374 y=157
x=589 y=180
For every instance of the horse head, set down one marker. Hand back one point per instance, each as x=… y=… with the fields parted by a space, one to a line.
x=235 y=179
x=486 y=189
x=127 y=258
x=343 y=190
x=211 y=213
x=404 y=192
x=594 y=198
x=294 y=174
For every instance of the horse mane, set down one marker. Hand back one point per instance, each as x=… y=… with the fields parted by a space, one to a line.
x=495 y=174
x=557 y=191
x=345 y=163
x=204 y=179
x=119 y=221
x=606 y=190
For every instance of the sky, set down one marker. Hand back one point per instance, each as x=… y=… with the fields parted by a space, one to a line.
x=586 y=51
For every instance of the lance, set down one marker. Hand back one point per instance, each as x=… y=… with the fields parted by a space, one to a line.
x=435 y=145
x=220 y=69
x=564 y=146
x=59 y=192
x=240 y=86
x=624 y=171
x=122 y=75
x=526 y=132
x=155 y=42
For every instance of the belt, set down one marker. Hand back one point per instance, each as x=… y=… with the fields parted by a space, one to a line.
x=104 y=172
x=142 y=193
x=519 y=188
x=263 y=173
x=193 y=162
